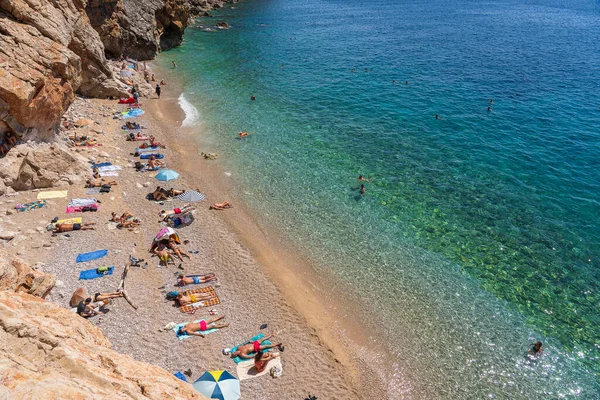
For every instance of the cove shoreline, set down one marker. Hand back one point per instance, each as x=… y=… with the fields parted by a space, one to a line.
x=337 y=318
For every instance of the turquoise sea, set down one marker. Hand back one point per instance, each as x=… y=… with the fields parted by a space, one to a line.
x=479 y=232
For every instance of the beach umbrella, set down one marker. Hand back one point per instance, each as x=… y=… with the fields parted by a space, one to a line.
x=167 y=175
x=167 y=233
x=218 y=385
x=191 y=196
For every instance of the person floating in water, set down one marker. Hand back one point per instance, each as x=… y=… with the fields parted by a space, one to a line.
x=437 y=116
x=363 y=179
x=393 y=81
x=174 y=65
x=362 y=189
x=489 y=108
x=243 y=134
x=252 y=98
x=536 y=349
x=491 y=101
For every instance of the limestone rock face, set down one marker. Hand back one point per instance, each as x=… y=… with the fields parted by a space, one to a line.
x=49 y=352
x=43 y=165
x=138 y=28
x=202 y=7
x=48 y=51
x=16 y=276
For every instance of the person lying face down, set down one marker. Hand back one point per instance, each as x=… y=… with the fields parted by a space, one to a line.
x=183 y=299
x=92 y=183
x=183 y=280
x=196 y=328
x=59 y=228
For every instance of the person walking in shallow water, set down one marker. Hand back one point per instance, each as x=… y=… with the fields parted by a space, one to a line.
x=174 y=65
x=157 y=90
x=536 y=349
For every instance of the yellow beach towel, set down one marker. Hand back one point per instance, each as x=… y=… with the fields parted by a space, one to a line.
x=76 y=220
x=54 y=194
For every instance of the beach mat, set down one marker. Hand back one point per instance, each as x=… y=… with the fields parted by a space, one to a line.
x=185 y=335
x=255 y=338
x=246 y=370
x=84 y=257
x=104 y=164
x=95 y=190
x=76 y=220
x=53 y=194
x=201 y=304
x=93 y=274
x=109 y=173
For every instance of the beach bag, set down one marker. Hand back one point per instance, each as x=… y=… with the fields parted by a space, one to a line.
x=105 y=189
x=139 y=166
x=276 y=372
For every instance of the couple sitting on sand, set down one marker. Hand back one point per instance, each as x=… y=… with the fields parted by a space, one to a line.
x=256 y=350
x=126 y=220
x=161 y=249
x=92 y=306
x=152 y=143
x=161 y=194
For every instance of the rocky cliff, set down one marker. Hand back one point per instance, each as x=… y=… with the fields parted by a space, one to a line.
x=49 y=352
x=138 y=28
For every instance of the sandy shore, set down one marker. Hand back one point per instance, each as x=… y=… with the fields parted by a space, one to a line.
x=256 y=286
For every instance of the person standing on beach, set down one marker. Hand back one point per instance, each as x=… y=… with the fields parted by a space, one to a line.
x=157 y=90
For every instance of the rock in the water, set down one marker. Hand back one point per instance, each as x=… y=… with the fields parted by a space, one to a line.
x=222 y=25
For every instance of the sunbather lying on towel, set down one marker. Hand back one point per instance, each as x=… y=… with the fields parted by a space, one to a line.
x=135 y=137
x=132 y=125
x=183 y=280
x=220 y=206
x=177 y=251
x=84 y=143
x=196 y=328
x=184 y=299
x=165 y=214
x=92 y=183
x=74 y=227
x=246 y=349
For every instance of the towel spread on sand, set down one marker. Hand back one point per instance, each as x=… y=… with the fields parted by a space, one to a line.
x=53 y=194
x=146 y=150
x=246 y=370
x=185 y=335
x=107 y=168
x=91 y=191
x=82 y=202
x=76 y=220
x=158 y=156
x=104 y=164
x=109 y=173
x=93 y=273
x=30 y=206
x=180 y=376
x=91 y=207
x=254 y=339
x=84 y=257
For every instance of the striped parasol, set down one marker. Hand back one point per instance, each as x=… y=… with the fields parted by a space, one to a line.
x=191 y=196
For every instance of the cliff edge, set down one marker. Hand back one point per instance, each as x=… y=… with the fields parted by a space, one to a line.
x=49 y=352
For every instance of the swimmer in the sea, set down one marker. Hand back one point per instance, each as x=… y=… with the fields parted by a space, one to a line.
x=363 y=179
x=362 y=189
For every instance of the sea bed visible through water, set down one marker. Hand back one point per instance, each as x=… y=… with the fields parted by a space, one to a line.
x=478 y=233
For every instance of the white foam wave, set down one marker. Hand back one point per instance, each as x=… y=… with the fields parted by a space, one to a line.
x=191 y=113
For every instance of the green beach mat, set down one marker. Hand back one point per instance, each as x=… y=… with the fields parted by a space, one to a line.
x=255 y=338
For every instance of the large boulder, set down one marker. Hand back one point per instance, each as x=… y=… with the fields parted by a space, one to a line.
x=138 y=28
x=49 y=352
x=36 y=166
x=48 y=51
x=16 y=276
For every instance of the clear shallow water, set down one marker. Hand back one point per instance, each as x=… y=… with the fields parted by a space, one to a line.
x=480 y=231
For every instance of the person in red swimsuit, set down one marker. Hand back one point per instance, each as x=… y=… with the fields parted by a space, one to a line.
x=245 y=350
x=196 y=328
x=262 y=359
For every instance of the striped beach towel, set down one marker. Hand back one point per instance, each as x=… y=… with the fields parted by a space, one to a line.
x=213 y=301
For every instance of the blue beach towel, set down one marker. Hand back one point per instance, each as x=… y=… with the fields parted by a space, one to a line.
x=185 y=335
x=147 y=156
x=255 y=338
x=93 y=274
x=84 y=257
x=180 y=376
x=104 y=164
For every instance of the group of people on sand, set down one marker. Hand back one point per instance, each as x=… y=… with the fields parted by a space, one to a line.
x=161 y=194
x=166 y=248
x=125 y=220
